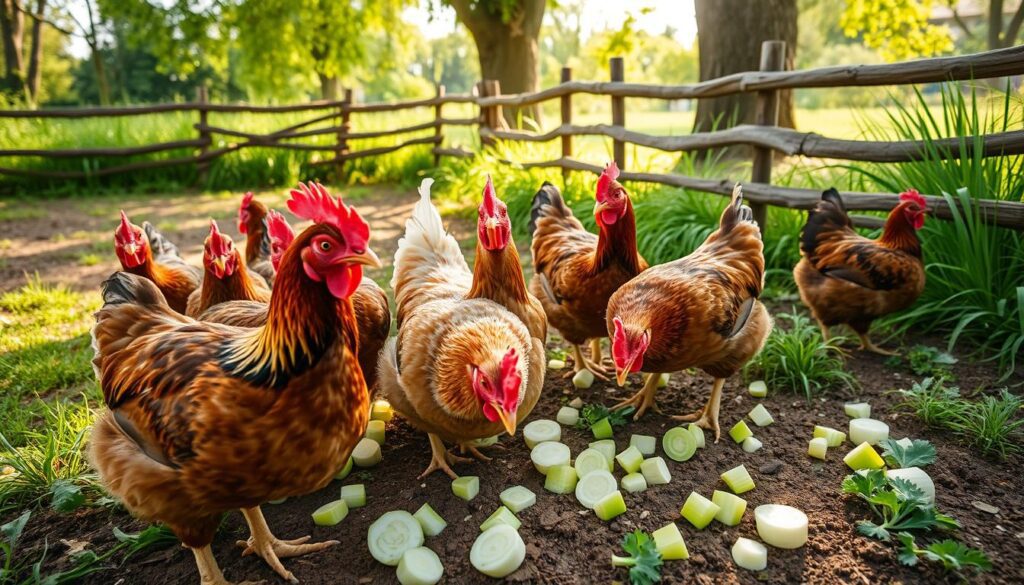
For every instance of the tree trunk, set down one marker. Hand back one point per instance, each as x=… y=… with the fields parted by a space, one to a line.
x=729 y=37
x=12 y=27
x=508 y=51
x=995 y=24
x=35 y=57
x=330 y=87
x=101 y=76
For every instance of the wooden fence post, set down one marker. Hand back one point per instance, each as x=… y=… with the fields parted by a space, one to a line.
x=438 y=130
x=617 y=70
x=341 y=147
x=490 y=116
x=773 y=58
x=204 y=134
x=566 y=103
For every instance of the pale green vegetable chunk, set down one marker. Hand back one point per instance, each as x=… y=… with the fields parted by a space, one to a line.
x=392 y=534
x=280 y=501
x=345 y=470
x=331 y=513
x=655 y=471
x=501 y=516
x=646 y=444
x=738 y=480
x=740 y=431
x=354 y=495
x=630 y=459
x=518 y=498
x=750 y=554
x=420 y=566
x=367 y=453
x=583 y=379
x=698 y=434
x=485 y=442
x=431 y=522
x=549 y=454
x=555 y=364
x=781 y=526
x=679 y=444
x=576 y=403
x=663 y=380
x=918 y=477
x=466 y=487
x=751 y=444
x=607 y=448
x=761 y=416
x=669 y=542
x=868 y=430
x=818 y=448
x=699 y=510
x=590 y=460
x=567 y=416
x=381 y=410
x=863 y=456
x=541 y=430
x=375 y=430
x=758 y=389
x=498 y=551
x=602 y=429
x=610 y=506
x=833 y=438
x=593 y=487
x=730 y=507
x=857 y=409
x=561 y=479
x=633 y=483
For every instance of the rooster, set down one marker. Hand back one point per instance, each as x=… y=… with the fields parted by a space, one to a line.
x=227 y=277
x=146 y=252
x=463 y=367
x=576 y=272
x=203 y=418
x=252 y=223
x=701 y=311
x=844 y=277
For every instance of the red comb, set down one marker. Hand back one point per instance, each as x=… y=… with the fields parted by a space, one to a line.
x=312 y=201
x=490 y=203
x=126 y=225
x=913 y=195
x=246 y=199
x=279 y=229
x=219 y=243
x=611 y=172
x=510 y=379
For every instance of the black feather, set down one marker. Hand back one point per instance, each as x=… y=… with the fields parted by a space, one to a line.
x=832 y=196
x=828 y=215
x=548 y=194
x=122 y=287
x=160 y=245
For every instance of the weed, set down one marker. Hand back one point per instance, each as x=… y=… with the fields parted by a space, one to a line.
x=924 y=360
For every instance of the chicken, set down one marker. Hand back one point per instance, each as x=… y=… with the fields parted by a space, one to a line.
x=146 y=252
x=252 y=223
x=701 y=311
x=203 y=418
x=226 y=277
x=844 y=277
x=462 y=367
x=576 y=272
x=373 y=315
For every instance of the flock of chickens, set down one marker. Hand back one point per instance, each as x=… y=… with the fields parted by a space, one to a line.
x=250 y=380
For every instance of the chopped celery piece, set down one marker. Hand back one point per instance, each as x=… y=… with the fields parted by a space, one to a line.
x=354 y=495
x=751 y=444
x=555 y=364
x=868 y=430
x=857 y=409
x=583 y=379
x=484 y=442
x=466 y=487
x=381 y=410
x=501 y=516
x=375 y=431
x=633 y=483
x=331 y=513
x=679 y=444
x=833 y=438
x=498 y=551
x=663 y=380
x=518 y=498
x=750 y=554
x=817 y=448
x=567 y=416
x=740 y=431
x=419 y=566
x=610 y=506
x=541 y=430
x=576 y=403
x=918 y=477
x=345 y=470
x=431 y=522
x=367 y=453
x=593 y=487
x=761 y=416
x=781 y=526
x=590 y=460
x=699 y=510
x=549 y=454
x=698 y=434
x=644 y=443
x=758 y=389
x=561 y=479
x=730 y=507
x=863 y=456
x=655 y=471
x=630 y=459
x=607 y=448
x=738 y=480
x=602 y=429
x=392 y=534
x=669 y=543
x=280 y=501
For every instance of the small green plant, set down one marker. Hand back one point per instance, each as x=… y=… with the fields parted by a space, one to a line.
x=592 y=414
x=897 y=505
x=924 y=360
x=954 y=556
x=798 y=358
x=918 y=454
x=644 y=560
x=933 y=402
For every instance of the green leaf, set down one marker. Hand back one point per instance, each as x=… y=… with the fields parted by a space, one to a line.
x=872 y=530
x=13 y=529
x=918 y=454
x=908 y=551
x=645 y=560
x=955 y=556
x=67 y=497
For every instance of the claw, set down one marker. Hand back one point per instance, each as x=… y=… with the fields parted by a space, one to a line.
x=643 y=399
x=271 y=549
x=442 y=459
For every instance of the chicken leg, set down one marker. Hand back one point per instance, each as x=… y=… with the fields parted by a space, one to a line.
x=441 y=459
x=209 y=572
x=581 y=363
x=707 y=417
x=643 y=399
x=270 y=549
x=867 y=345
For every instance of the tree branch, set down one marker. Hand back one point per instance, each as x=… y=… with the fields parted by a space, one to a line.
x=1014 y=27
x=960 y=22
x=44 y=20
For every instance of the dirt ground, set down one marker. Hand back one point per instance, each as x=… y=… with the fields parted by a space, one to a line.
x=565 y=543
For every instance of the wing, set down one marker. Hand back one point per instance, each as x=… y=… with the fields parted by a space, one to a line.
x=562 y=250
x=237 y=314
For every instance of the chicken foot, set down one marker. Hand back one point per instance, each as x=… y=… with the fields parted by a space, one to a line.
x=707 y=417
x=867 y=345
x=465 y=448
x=581 y=363
x=643 y=399
x=270 y=549
x=441 y=459
x=209 y=572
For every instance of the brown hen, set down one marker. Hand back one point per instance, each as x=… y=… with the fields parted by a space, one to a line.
x=146 y=252
x=226 y=278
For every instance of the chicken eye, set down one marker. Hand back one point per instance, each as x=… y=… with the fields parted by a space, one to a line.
x=325 y=246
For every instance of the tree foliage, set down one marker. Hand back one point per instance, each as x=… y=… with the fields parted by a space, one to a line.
x=898 y=29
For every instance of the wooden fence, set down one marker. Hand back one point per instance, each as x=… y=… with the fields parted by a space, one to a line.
x=764 y=136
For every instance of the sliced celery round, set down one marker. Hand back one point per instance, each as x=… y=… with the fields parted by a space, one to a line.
x=761 y=416
x=560 y=479
x=354 y=495
x=679 y=444
x=602 y=429
x=420 y=566
x=556 y=364
x=590 y=460
x=868 y=430
x=750 y=554
x=758 y=389
x=698 y=510
x=698 y=434
x=375 y=429
x=498 y=551
x=663 y=380
x=431 y=522
x=669 y=542
x=518 y=498
x=751 y=444
x=392 y=534
x=634 y=483
x=738 y=479
x=646 y=444
x=781 y=526
x=331 y=513
x=857 y=409
x=541 y=430
x=549 y=454
x=367 y=453
x=466 y=487
x=818 y=448
x=594 y=486
x=381 y=410
x=630 y=459
x=345 y=470
x=501 y=516
x=607 y=448
x=567 y=416
x=655 y=471
x=583 y=379
x=610 y=506
x=730 y=507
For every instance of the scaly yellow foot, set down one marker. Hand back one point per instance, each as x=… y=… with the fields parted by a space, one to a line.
x=581 y=363
x=270 y=549
x=643 y=399
x=707 y=417
x=441 y=459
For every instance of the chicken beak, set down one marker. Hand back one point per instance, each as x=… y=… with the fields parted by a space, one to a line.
x=623 y=373
x=508 y=420
x=130 y=248
x=599 y=207
x=219 y=263
x=368 y=258
x=491 y=225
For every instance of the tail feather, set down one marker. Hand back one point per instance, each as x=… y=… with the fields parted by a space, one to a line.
x=122 y=287
x=828 y=215
x=547 y=201
x=736 y=212
x=161 y=246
